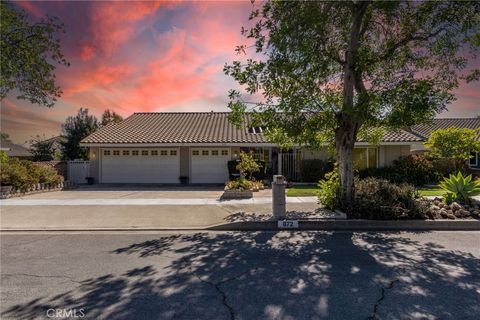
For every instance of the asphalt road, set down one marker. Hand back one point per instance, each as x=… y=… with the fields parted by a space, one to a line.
x=258 y=275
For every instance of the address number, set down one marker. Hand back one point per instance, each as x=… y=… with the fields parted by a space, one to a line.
x=288 y=224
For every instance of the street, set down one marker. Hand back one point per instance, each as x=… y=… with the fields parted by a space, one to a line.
x=240 y=275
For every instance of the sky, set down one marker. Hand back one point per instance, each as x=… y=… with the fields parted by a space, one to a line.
x=147 y=56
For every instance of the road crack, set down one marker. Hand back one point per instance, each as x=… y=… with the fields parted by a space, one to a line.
x=218 y=288
x=382 y=297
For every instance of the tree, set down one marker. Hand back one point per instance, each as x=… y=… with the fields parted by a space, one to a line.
x=110 y=116
x=4 y=136
x=329 y=72
x=29 y=54
x=456 y=144
x=73 y=131
x=247 y=165
x=42 y=149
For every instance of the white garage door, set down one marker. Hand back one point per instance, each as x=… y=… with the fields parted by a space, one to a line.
x=140 y=165
x=209 y=165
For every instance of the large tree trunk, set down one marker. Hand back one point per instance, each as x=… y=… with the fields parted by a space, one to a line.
x=345 y=136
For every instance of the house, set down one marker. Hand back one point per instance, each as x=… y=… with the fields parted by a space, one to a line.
x=14 y=150
x=162 y=147
x=424 y=130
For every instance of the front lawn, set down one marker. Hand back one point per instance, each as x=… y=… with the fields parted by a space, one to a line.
x=309 y=190
x=433 y=191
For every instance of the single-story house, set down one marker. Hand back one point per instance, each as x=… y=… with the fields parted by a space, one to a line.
x=14 y=150
x=162 y=147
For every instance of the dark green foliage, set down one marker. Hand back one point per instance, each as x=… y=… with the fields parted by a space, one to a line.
x=23 y=174
x=313 y=170
x=73 y=131
x=329 y=193
x=379 y=199
x=29 y=52
x=414 y=169
x=110 y=116
x=42 y=150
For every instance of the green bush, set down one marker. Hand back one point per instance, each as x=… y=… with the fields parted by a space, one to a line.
x=239 y=184
x=460 y=188
x=329 y=190
x=313 y=170
x=259 y=175
x=23 y=174
x=380 y=199
x=413 y=169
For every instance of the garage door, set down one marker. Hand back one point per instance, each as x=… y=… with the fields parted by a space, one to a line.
x=209 y=165
x=140 y=165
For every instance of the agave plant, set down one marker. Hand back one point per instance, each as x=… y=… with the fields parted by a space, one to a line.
x=460 y=188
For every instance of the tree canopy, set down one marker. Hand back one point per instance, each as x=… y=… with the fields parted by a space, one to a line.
x=110 y=116
x=29 y=55
x=329 y=72
x=453 y=143
x=73 y=131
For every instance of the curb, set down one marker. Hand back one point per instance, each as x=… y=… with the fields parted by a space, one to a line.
x=329 y=225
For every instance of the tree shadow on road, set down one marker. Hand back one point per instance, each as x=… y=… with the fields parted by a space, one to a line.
x=278 y=275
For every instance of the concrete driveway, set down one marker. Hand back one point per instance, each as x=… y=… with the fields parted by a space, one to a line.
x=138 y=192
x=93 y=208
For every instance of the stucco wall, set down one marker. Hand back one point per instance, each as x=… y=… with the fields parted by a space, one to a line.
x=387 y=154
x=94 y=157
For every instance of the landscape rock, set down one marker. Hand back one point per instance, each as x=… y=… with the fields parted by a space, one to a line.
x=455 y=206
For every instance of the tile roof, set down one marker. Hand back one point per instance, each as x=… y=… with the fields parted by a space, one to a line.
x=14 y=150
x=174 y=127
x=214 y=127
x=424 y=130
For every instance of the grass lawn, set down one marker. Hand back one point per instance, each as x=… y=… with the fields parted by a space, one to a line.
x=434 y=191
x=302 y=191
x=311 y=191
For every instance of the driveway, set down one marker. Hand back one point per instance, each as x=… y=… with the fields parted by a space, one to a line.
x=120 y=207
x=138 y=192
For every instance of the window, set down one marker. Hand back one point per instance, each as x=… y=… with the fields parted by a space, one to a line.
x=474 y=159
x=116 y=152
x=364 y=158
x=214 y=152
x=144 y=152
x=195 y=153
x=154 y=152
x=173 y=152
x=126 y=152
x=204 y=152
x=134 y=152
x=106 y=152
x=224 y=152
x=163 y=152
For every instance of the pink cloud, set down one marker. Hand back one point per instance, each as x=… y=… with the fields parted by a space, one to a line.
x=30 y=8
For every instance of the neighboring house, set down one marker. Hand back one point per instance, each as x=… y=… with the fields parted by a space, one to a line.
x=424 y=130
x=14 y=150
x=161 y=147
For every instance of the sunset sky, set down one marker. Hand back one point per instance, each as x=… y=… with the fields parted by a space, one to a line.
x=147 y=56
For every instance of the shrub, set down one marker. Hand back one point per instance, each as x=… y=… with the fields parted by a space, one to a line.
x=259 y=175
x=329 y=190
x=380 y=199
x=460 y=188
x=23 y=174
x=413 y=169
x=313 y=170
x=239 y=184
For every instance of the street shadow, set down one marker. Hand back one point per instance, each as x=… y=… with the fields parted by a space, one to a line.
x=244 y=216
x=278 y=275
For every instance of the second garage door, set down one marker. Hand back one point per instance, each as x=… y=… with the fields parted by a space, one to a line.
x=209 y=165
x=140 y=166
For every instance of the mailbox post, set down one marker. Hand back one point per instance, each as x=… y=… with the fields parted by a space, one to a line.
x=278 y=197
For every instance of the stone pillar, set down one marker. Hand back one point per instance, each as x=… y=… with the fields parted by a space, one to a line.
x=278 y=197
